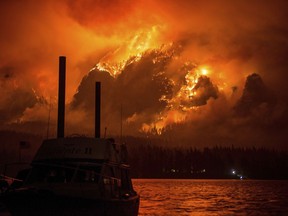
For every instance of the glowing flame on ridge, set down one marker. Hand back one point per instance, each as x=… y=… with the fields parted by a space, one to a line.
x=178 y=107
x=181 y=104
x=132 y=51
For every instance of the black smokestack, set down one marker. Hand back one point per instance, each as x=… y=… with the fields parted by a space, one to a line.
x=61 y=96
x=97 y=109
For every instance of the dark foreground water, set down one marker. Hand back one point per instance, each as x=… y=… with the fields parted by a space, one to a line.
x=212 y=197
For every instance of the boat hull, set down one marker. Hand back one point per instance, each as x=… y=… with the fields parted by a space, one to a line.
x=32 y=203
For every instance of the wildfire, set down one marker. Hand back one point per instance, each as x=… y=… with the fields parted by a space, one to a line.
x=183 y=103
x=113 y=68
x=194 y=91
x=132 y=51
x=188 y=90
x=204 y=71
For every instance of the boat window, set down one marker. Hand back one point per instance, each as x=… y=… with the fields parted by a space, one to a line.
x=50 y=174
x=108 y=175
x=37 y=175
x=125 y=180
x=88 y=174
x=56 y=175
x=116 y=172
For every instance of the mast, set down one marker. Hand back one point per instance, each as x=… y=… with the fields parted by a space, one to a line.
x=97 y=109
x=61 y=97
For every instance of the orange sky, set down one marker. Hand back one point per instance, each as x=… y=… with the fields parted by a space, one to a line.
x=232 y=38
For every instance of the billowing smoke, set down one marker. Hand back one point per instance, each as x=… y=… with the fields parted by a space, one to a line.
x=137 y=89
x=206 y=73
x=256 y=96
x=204 y=90
x=15 y=97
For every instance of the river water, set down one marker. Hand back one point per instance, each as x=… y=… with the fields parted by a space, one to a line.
x=211 y=197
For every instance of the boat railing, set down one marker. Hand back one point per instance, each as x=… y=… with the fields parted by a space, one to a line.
x=77 y=135
x=6 y=179
x=9 y=179
x=108 y=185
x=76 y=168
x=11 y=170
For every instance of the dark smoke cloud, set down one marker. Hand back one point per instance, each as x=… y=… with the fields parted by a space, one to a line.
x=255 y=95
x=259 y=107
x=137 y=90
x=15 y=98
x=205 y=90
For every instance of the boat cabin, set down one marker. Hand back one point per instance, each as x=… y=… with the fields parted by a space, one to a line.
x=75 y=161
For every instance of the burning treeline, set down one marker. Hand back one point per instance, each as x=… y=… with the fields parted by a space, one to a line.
x=163 y=93
x=160 y=94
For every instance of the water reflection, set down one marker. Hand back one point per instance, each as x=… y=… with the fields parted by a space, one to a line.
x=212 y=197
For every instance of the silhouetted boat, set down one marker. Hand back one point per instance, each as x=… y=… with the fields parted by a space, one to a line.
x=75 y=176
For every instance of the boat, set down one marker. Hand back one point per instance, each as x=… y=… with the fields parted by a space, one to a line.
x=74 y=175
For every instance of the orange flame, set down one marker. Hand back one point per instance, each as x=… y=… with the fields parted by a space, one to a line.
x=130 y=52
x=178 y=107
x=181 y=104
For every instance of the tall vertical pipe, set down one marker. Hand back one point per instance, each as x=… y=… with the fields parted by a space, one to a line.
x=97 y=109
x=61 y=96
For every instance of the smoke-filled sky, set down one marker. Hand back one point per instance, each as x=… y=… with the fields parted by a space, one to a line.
x=196 y=73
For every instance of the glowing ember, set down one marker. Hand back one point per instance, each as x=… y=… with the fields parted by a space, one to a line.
x=204 y=71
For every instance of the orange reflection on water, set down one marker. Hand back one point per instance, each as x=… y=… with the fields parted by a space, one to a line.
x=211 y=197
